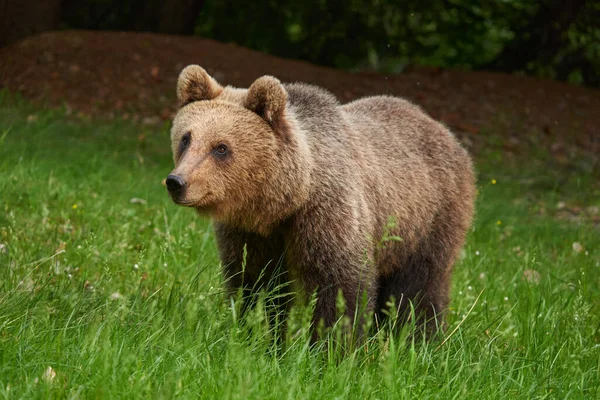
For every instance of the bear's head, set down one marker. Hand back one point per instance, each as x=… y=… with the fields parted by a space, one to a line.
x=238 y=156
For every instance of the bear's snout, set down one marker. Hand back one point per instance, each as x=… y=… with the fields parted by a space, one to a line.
x=175 y=185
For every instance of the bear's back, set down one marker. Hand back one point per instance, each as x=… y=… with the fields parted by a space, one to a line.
x=403 y=162
x=312 y=105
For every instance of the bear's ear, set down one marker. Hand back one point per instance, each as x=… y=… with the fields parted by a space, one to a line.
x=267 y=98
x=195 y=84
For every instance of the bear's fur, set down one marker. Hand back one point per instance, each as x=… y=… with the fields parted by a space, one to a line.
x=308 y=186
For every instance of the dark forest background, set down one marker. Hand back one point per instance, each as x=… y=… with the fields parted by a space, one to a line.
x=557 y=39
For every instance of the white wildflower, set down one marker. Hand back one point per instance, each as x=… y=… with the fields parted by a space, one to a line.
x=49 y=375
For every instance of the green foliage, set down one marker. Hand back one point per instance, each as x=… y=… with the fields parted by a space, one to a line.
x=548 y=38
x=123 y=298
x=354 y=33
x=387 y=35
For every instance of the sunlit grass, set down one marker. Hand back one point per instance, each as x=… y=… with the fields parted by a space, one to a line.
x=107 y=290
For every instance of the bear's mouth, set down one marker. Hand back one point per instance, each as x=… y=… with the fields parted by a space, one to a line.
x=201 y=202
x=184 y=203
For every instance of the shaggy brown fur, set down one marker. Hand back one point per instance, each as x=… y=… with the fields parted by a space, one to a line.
x=309 y=185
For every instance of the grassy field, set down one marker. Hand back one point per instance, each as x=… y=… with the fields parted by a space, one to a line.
x=108 y=290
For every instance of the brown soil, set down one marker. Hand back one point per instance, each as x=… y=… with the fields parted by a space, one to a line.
x=133 y=75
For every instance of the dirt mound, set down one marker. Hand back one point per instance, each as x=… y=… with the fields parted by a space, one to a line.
x=132 y=73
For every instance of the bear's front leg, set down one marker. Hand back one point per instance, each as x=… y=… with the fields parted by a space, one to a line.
x=261 y=267
x=328 y=262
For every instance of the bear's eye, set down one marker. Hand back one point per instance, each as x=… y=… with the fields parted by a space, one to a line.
x=185 y=142
x=185 y=139
x=221 y=150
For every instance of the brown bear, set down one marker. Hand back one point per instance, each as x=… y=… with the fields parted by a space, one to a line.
x=371 y=199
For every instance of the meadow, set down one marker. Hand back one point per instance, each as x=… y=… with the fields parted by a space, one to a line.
x=108 y=290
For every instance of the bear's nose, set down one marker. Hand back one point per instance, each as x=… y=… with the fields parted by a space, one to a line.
x=175 y=183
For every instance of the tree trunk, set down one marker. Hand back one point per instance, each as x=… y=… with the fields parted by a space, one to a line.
x=20 y=18
x=179 y=16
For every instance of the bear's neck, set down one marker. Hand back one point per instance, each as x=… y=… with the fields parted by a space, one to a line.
x=286 y=191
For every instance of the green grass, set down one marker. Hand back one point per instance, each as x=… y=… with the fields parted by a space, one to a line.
x=124 y=299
